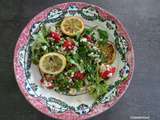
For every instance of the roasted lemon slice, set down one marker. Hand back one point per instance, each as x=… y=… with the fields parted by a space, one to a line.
x=109 y=51
x=72 y=25
x=52 y=63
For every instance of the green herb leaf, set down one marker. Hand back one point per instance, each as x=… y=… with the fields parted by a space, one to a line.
x=103 y=35
x=77 y=37
x=38 y=49
x=62 y=82
x=40 y=45
x=87 y=31
x=44 y=31
x=98 y=90
x=78 y=84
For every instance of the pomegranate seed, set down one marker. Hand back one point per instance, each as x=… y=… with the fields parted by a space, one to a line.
x=89 y=38
x=41 y=81
x=68 y=45
x=79 y=75
x=56 y=37
x=50 y=85
x=108 y=73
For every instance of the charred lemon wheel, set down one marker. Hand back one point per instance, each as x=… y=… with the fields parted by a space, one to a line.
x=109 y=51
x=71 y=26
x=52 y=63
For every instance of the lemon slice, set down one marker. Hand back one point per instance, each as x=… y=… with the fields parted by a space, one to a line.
x=109 y=52
x=52 y=63
x=72 y=25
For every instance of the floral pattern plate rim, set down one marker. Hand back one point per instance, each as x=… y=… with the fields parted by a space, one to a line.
x=52 y=106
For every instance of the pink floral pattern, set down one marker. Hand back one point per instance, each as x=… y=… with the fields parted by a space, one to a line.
x=38 y=103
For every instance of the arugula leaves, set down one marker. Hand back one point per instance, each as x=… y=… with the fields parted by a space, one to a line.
x=103 y=35
x=98 y=90
x=40 y=45
x=88 y=31
x=38 y=49
x=44 y=31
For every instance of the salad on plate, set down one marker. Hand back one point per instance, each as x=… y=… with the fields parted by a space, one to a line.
x=74 y=58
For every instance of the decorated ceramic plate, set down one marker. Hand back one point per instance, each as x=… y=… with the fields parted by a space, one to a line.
x=73 y=61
